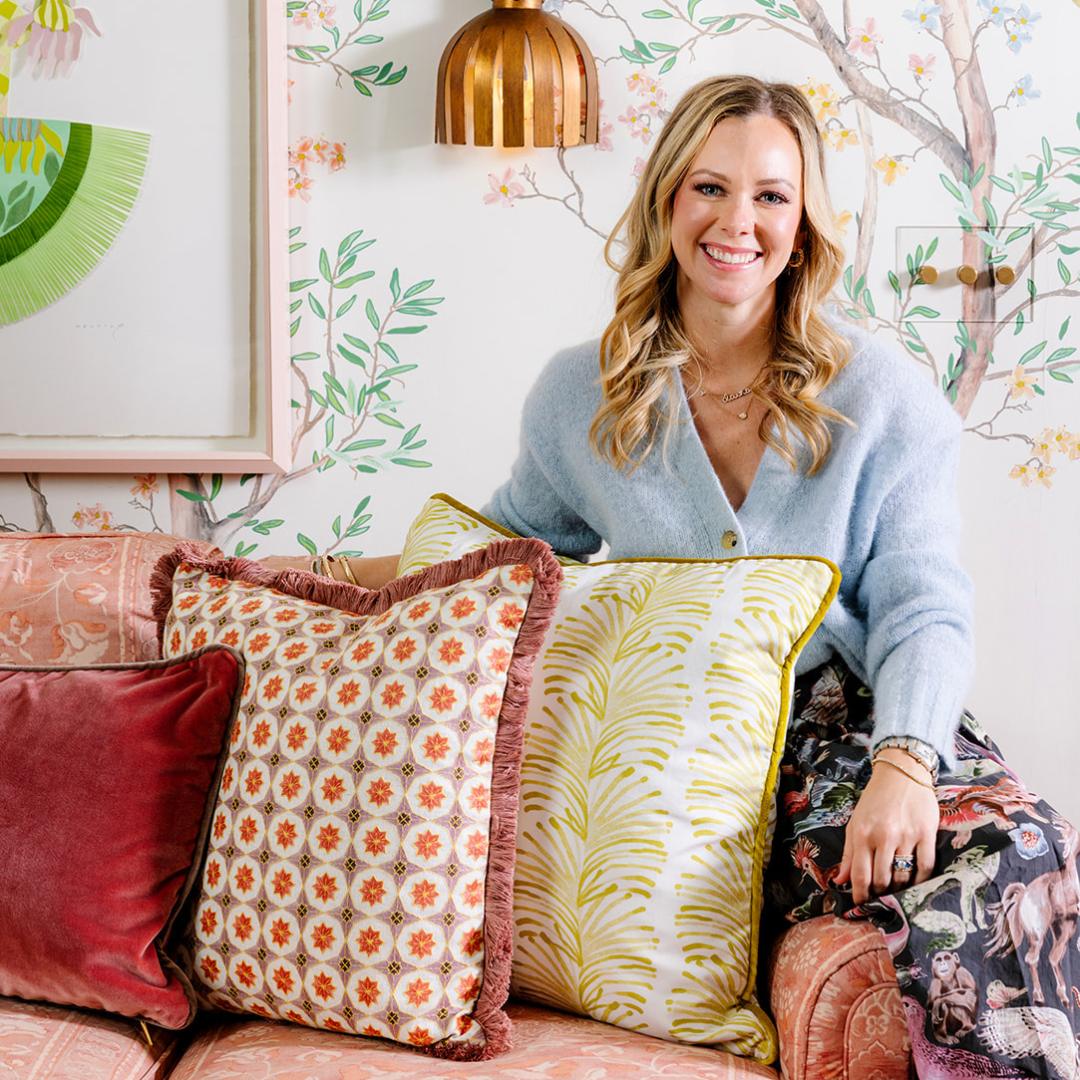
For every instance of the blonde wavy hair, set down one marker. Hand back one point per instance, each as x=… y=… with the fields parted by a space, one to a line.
x=645 y=344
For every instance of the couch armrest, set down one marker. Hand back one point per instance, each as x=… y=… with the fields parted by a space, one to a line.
x=833 y=994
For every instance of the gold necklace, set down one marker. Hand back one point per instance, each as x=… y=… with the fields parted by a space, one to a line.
x=724 y=398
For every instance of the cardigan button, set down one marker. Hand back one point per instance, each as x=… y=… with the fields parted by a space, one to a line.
x=729 y=540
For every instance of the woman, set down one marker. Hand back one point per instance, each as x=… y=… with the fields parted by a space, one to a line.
x=723 y=414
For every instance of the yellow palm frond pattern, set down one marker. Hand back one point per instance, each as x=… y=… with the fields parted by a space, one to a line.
x=654 y=733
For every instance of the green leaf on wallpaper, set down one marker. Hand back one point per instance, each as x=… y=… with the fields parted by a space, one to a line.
x=320 y=49
x=868 y=303
x=363 y=444
x=791 y=12
x=191 y=496
x=991 y=213
x=1060 y=354
x=1038 y=390
x=303 y=283
x=324 y=266
x=369 y=39
x=691 y=7
x=215 y=485
x=293 y=327
x=246 y=477
x=348 y=242
x=365 y=72
x=1017 y=233
x=293 y=231
x=668 y=64
x=346 y=307
x=349 y=282
x=242 y=550
x=394 y=79
x=419 y=288
x=379 y=5
x=990 y=357
x=725 y=26
x=318 y=398
x=894 y=281
x=1019 y=323
x=375 y=16
x=656 y=13
x=352 y=357
x=1031 y=353
x=923 y=312
x=329 y=429
x=395 y=285
x=313 y=303
x=849 y=273
x=361 y=87
x=333 y=383
x=305 y=356
x=643 y=50
x=335 y=526
x=306 y=544
x=1073 y=177
x=410 y=434
x=389 y=421
x=1048 y=155
x=1063 y=271
x=358 y=10
x=1032 y=291
x=950 y=187
x=335 y=33
x=916 y=346
x=355 y=341
x=295 y=305
x=263 y=527
x=997 y=181
x=372 y=315
x=406 y=329
x=400 y=369
x=408 y=309
x=913 y=330
x=293 y=248
x=302 y=53
x=1061 y=376
x=389 y=351
x=411 y=463
x=1064 y=328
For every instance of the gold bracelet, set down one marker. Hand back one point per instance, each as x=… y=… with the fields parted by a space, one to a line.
x=900 y=768
x=324 y=561
x=344 y=560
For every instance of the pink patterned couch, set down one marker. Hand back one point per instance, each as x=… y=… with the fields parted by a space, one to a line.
x=830 y=985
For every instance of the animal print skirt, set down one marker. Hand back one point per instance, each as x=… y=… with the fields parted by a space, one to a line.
x=986 y=951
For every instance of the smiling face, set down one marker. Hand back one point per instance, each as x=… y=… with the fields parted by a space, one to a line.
x=735 y=221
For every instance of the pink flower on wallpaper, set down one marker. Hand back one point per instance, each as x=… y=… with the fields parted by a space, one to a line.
x=922 y=67
x=94 y=517
x=303 y=155
x=505 y=191
x=299 y=186
x=314 y=14
x=146 y=487
x=336 y=155
x=864 y=39
x=640 y=123
x=639 y=168
x=56 y=32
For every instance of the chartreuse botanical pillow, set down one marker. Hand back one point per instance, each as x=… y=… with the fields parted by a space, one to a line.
x=362 y=842
x=653 y=737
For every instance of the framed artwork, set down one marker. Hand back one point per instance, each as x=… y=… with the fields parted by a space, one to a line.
x=143 y=238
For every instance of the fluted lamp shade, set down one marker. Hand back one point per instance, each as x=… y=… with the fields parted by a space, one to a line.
x=517 y=76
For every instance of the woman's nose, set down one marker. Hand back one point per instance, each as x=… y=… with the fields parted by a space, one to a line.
x=736 y=215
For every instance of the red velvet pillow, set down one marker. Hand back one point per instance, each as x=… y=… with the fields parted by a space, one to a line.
x=105 y=774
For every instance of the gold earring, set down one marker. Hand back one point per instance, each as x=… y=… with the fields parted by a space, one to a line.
x=797 y=258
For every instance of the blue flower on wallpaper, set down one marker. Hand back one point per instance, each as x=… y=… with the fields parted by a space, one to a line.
x=553 y=5
x=1025 y=16
x=925 y=16
x=1024 y=91
x=996 y=12
x=1018 y=39
x=1029 y=841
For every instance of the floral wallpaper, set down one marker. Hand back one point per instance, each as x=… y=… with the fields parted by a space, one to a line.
x=431 y=283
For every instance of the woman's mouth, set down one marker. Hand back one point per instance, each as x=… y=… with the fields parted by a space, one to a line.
x=730 y=258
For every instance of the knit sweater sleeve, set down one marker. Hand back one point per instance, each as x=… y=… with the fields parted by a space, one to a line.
x=544 y=495
x=916 y=597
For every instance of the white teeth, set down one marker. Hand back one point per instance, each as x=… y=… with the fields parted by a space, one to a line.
x=730 y=257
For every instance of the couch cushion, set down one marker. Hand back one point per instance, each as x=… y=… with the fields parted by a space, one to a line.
x=105 y=778
x=78 y=599
x=48 y=1042
x=363 y=842
x=547 y=1045
x=652 y=745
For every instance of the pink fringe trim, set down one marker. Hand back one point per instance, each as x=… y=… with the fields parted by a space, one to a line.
x=509 y=740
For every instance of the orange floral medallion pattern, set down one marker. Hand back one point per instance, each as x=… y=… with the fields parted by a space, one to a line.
x=344 y=888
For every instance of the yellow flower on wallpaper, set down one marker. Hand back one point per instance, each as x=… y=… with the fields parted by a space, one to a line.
x=842 y=221
x=838 y=138
x=891 y=167
x=1020 y=384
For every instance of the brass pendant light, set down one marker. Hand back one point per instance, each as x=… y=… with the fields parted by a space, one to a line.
x=515 y=75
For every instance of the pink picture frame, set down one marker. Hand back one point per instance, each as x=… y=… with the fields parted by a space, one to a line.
x=266 y=448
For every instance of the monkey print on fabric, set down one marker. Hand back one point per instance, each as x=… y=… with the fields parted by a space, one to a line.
x=987 y=952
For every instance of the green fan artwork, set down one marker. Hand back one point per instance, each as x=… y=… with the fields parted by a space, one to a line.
x=66 y=188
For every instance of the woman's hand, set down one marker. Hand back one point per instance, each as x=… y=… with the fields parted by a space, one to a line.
x=372 y=572
x=895 y=816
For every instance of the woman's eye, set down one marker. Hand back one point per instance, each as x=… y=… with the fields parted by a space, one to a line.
x=708 y=189
x=773 y=197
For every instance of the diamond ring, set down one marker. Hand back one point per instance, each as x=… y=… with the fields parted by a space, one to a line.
x=904 y=864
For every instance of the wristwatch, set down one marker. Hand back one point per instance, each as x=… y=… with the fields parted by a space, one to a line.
x=921 y=751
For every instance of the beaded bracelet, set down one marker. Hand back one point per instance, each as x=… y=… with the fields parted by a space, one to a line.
x=900 y=768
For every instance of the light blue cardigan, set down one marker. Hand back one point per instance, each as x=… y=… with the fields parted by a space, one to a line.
x=883 y=508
